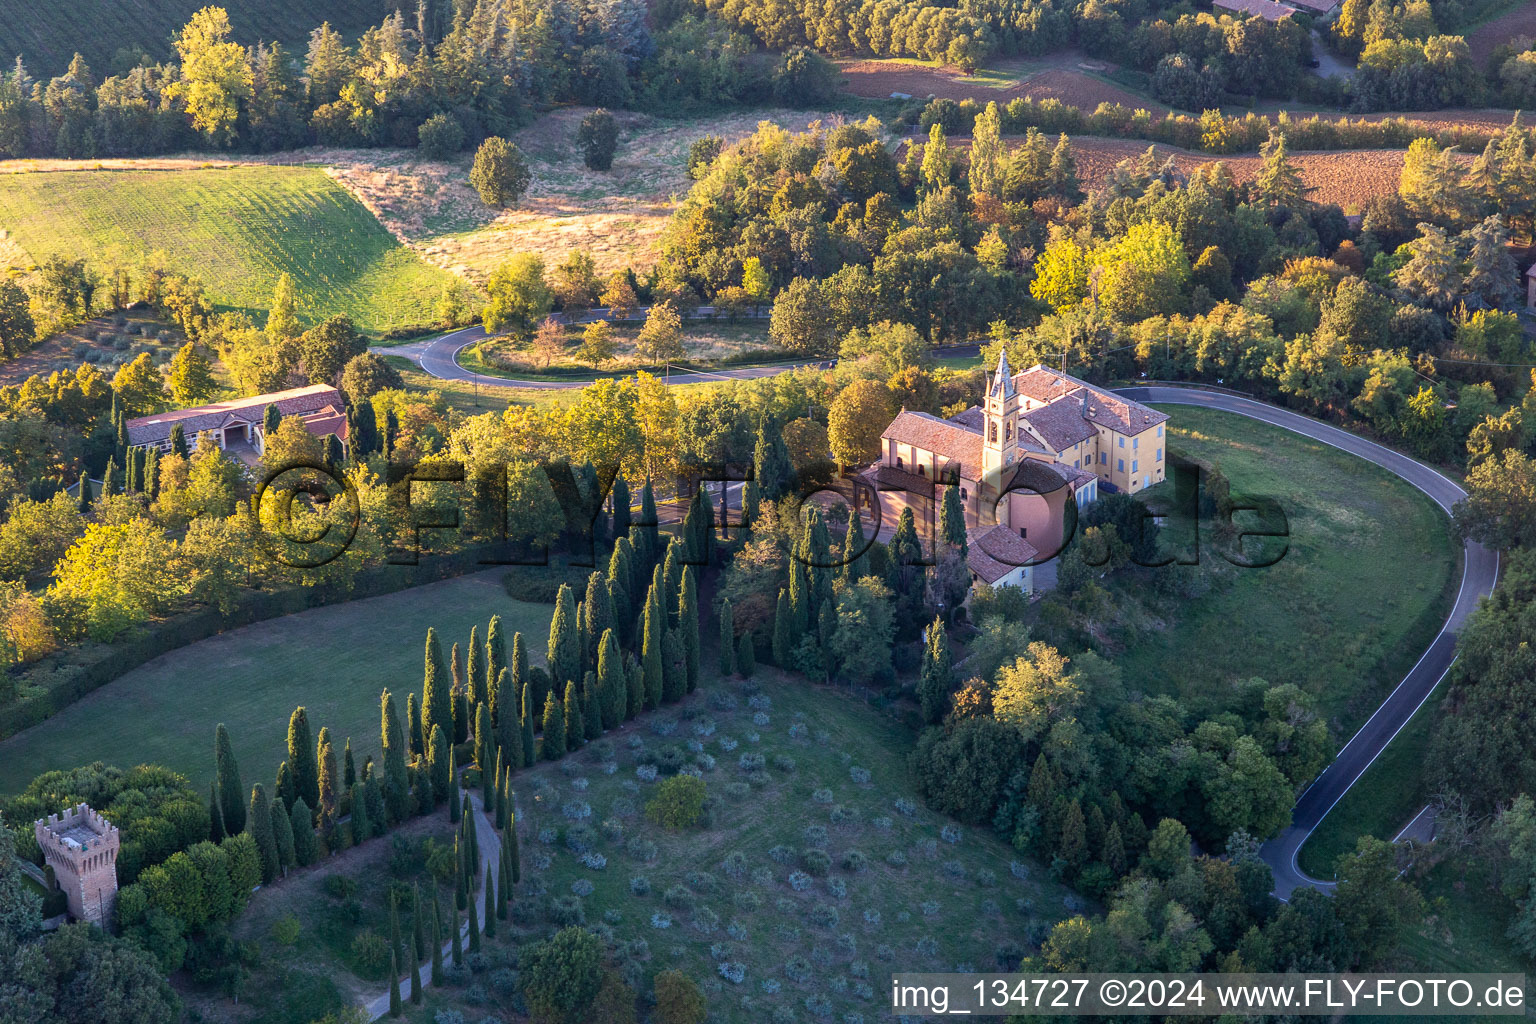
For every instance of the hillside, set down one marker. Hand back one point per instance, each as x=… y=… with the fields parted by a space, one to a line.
x=47 y=35
x=237 y=228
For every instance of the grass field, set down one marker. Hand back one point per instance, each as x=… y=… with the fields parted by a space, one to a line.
x=46 y=35
x=237 y=228
x=333 y=660
x=705 y=343
x=927 y=900
x=1369 y=575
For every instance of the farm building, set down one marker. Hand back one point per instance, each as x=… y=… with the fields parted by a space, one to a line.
x=237 y=425
x=1269 y=10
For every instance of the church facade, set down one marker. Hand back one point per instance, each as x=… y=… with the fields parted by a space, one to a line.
x=1040 y=439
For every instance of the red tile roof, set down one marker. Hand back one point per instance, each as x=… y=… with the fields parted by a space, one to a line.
x=311 y=400
x=959 y=448
x=994 y=552
x=1061 y=423
x=1098 y=406
x=1266 y=9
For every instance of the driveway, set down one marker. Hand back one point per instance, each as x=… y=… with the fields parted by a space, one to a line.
x=1480 y=571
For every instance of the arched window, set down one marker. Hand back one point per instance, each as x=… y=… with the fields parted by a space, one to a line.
x=1008 y=432
x=992 y=432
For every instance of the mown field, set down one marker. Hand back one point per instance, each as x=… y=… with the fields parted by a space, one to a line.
x=1369 y=574
x=237 y=228
x=47 y=35
x=924 y=894
x=333 y=660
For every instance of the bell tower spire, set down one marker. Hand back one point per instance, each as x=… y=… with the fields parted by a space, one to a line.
x=1000 y=430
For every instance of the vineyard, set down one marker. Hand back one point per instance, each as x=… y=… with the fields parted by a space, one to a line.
x=47 y=35
x=237 y=228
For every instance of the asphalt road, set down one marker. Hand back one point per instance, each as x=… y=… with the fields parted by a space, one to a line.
x=1480 y=570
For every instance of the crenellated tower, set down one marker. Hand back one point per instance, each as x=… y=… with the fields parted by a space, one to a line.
x=81 y=846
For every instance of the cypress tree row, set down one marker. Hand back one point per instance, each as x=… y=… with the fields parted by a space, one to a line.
x=439 y=761
x=395 y=1009
x=727 y=650
x=472 y=670
x=453 y=785
x=619 y=499
x=613 y=696
x=530 y=752
x=282 y=834
x=600 y=615
x=518 y=667
x=260 y=819
x=474 y=927
x=672 y=581
x=215 y=815
x=436 y=693
x=301 y=758
x=552 y=746
x=152 y=473
x=688 y=629
x=348 y=768
x=109 y=480
x=437 y=940
x=564 y=657
x=936 y=674
x=575 y=731
x=226 y=776
x=397 y=783
x=674 y=667
x=654 y=627
x=412 y=727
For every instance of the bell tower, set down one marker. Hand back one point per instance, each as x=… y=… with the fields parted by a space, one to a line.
x=1001 y=412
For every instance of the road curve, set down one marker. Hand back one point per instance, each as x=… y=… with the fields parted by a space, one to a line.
x=1480 y=571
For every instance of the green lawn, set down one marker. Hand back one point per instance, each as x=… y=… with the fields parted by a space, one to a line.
x=927 y=900
x=1385 y=799
x=1369 y=576
x=333 y=660
x=237 y=229
x=46 y=35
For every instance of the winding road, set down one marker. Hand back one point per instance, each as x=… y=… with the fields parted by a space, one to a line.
x=1480 y=571
x=1480 y=567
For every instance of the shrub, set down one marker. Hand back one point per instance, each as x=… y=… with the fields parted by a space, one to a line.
x=746 y=899
x=679 y=897
x=706 y=920
x=927 y=946
x=950 y=833
x=736 y=930
x=286 y=930
x=824 y=915
x=818 y=1005
x=783 y=763
x=661 y=920
x=612 y=829
x=594 y=860
x=737 y=790
x=797 y=968
x=622 y=807
x=822 y=795
x=733 y=972
x=904 y=807
x=500 y=174
x=986 y=878
x=837 y=887
x=340 y=887
x=1018 y=869
x=761 y=719
x=576 y=810
x=639 y=885
x=752 y=762
x=859 y=775
x=728 y=744
x=854 y=860
x=701 y=881
x=817 y=862
x=646 y=772
x=770 y=985
x=798 y=731
x=953 y=868
x=370 y=954
x=782 y=854
x=872 y=917
x=734 y=865
x=815 y=835
x=548 y=835
x=678 y=802
x=799 y=881
x=896 y=859
x=670 y=759
x=567 y=910
x=440 y=137
x=580 y=838
x=929 y=907
x=883 y=823
x=841 y=814
x=579 y=785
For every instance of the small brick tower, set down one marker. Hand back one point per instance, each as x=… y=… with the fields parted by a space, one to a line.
x=81 y=846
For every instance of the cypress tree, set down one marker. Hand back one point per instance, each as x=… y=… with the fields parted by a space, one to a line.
x=634 y=680
x=474 y=927
x=226 y=776
x=553 y=744
x=304 y=847
x=331 y=452
x=674 y=667
x=564 y=649
x=854 y=559
x=260 y=821
x=216 y=831
x=490 y=904
x=378 y=810
x=437 y=940
x=396 y=949
x=503 y=884
x=826 y=628
x=461 y=711
x=746 y=656
x=800 y=611
x=517 y=667
x=87 y=499
x=397 y=783
x=271 y=418
x=130 y=472
x=688 y=628
x=600 y=615
x=619 y=499
x=438 y=763
x=456 y=666
x=751 y=503
x=282 y=834
x=152 y=473
x=325 y=756
x=395 y=1009
x=436 y=693
x=109 y=479
x=457 y=947
x=771 y=468
x=575 y=728
x=530 y=751
x=539 y=681
x=362 y=829
x=936 y=675
x=418 y=924
x=413 y=727
x=348 y=769
x=818 y=560
x=284 y=787
x=453 y=784
x=650 y=648
x=612 y=695
x=421 y=790
x=391 y=433
x=472 y=670
x=672 y=580
x=515 y=854
x=727 y=645
x=485 y=745
x=591 y=707
x=179 y=441
x=473 y=835
x=952 y=521
x=301 y=759
x=509 y=723
x=503 y=787
x=784 y=639
x=495 y=661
